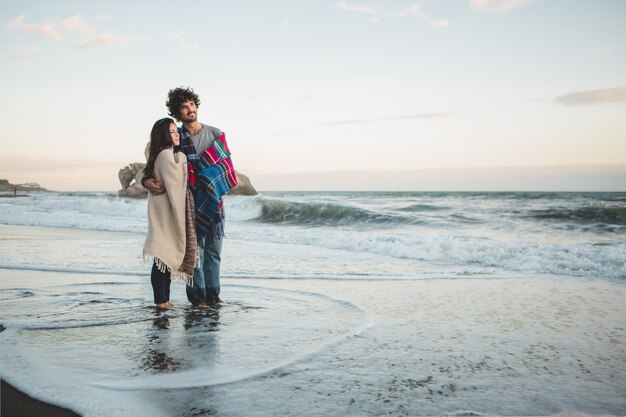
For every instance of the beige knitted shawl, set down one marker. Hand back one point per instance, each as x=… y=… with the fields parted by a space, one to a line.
x=171 y=239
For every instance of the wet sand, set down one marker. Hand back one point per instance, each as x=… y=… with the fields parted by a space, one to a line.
x=14 y=403
x=524 y=346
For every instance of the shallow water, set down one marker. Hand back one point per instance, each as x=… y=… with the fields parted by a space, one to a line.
x=505 y=346
x=63 y=322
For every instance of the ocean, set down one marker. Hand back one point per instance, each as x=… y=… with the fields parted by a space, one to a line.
x=335 y=304
x=409 y=234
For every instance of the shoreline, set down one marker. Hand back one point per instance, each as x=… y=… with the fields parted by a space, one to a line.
x=15 y=403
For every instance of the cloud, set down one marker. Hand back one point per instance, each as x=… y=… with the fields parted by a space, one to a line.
x=180 y=41
x=367 y=9
x=75 y=24
x=105 y=17
x=381 y=119
x=601 y=50
x=497 y=5
x=376 y=14
x=102 y=40
x=72 y=24
x=608 y=95
x=47 y=30
x=412 y=10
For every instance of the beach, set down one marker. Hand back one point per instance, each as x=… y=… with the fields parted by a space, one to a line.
x=524 y=346
x=309 y=329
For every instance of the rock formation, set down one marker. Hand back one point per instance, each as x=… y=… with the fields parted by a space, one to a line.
x=130 y=179
x=243 y=187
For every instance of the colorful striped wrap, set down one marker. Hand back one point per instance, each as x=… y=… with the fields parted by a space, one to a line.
x=211 y=175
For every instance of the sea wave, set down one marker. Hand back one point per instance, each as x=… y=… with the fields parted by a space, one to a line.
x=421 y=207
x=87 y=211
x=271 y=210
x=324 y=213
x=580 y=235
x=612 y=215
x=106 y=212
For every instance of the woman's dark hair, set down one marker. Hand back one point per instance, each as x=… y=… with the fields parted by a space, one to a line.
x=176 y=98
x=159 y=140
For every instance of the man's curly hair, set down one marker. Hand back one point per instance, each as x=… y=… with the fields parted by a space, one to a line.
x=176 y=98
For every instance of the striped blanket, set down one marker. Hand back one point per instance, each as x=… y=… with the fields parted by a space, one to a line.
x=211 y=175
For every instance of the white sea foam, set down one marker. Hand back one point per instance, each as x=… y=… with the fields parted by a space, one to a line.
x=444 y=251
x=79 y=211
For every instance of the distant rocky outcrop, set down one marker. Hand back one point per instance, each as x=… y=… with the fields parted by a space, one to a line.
x=130 y=179
x=5 y=185
x=243 y=187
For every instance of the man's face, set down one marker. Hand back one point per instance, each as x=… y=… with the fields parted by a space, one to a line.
x=188 y=112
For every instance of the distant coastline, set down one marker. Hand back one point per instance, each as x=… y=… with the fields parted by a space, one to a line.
x=6 y=186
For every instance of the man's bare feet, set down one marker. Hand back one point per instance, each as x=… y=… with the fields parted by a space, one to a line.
x=203 y=306
x=169 y=305
x=164 y=306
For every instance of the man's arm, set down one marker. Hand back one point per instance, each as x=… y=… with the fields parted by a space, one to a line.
x=153 y=185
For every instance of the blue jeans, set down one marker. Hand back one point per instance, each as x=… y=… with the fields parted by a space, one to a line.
x=206 y=279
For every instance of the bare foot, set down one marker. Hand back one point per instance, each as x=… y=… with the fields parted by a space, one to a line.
x=164 y=306
x=203 y=306
x=169 y=305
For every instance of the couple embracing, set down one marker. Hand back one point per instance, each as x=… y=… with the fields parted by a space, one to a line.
x=188 y=171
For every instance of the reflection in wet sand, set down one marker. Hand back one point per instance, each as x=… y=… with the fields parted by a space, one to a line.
x=161 y=345
x=156 y=358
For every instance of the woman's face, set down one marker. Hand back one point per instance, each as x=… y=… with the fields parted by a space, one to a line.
x=174 y=136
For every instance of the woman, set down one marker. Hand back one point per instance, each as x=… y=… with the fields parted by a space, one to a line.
x=171 y=239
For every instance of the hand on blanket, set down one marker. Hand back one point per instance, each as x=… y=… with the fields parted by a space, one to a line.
x=154 y=186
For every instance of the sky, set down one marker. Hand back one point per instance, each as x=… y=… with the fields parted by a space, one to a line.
x=324 y=94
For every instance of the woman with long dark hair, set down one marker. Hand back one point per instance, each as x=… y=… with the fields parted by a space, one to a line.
x=171 y=240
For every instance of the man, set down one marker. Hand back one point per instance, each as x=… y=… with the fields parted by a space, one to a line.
x=196 y=138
